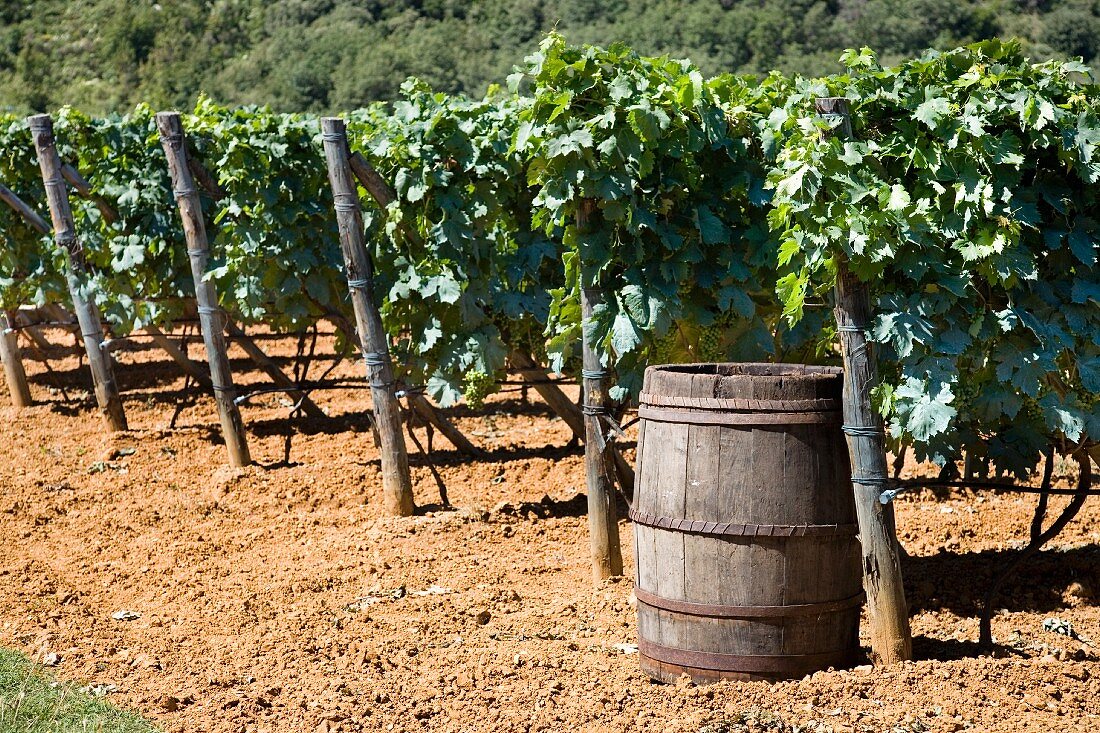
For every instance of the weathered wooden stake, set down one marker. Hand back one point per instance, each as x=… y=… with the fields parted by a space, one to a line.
x=212 y=318
x=887 y=612
x=603 y=524
x=87 y=314
x=396 y=480
x=567 y=410
x=14 y=373
x=191 y=368
x=29 y=215
x=384 y=195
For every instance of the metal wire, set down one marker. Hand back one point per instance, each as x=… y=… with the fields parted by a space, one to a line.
x=887 y=496
x=862 y=431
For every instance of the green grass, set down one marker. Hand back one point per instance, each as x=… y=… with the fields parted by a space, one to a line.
x=33 y=702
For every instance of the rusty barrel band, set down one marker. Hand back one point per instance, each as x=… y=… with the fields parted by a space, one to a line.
x=729 y=611
x=731 y=529
x=713 y=417
x=651 y=399
x=779 y=664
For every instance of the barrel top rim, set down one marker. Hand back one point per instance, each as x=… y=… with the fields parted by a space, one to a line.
x=751 y=369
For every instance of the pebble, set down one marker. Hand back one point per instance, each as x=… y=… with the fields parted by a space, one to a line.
x=125 y=615
x=1034 y=701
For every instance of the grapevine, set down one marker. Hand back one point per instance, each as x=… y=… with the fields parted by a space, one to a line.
x=967 y=200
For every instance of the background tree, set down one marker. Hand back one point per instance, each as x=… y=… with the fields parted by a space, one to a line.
x=331 y=55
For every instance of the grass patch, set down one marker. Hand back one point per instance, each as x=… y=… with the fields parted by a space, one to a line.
x=33 y=702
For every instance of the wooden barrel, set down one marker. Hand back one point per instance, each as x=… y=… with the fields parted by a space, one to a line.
x=744 y=523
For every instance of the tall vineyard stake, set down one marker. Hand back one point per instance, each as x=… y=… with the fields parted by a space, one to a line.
x=384 y=195
x=886 y=608
x=14 y=373
x=87 y=314
x=84 y=190
x=200 y=175
x=603 y=525
x=396 y=481
x=212 y=318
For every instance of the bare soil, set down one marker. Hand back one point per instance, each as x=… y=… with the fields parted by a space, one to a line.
x=280 y=598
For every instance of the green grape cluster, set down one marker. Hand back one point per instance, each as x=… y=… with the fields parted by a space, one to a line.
x=476 y=386
x=664 y=350
x=711 y=342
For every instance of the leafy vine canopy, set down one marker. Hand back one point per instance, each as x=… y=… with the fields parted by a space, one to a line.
x=967 y=198
x=710 y=214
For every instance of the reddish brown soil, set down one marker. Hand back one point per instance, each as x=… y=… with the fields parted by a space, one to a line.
x=250 y=584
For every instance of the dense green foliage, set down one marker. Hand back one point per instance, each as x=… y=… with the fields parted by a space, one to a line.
x=31 y=702
x=710 y=213
x=109 y=55
x=271 y=235
x=968 y=198
x=30 y=266
x=465 y=276
x=671 y=170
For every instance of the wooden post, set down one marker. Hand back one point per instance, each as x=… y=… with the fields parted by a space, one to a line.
x=29 y=215
x=603 y=524
x=269 y=367
x=255 y=353
x=384 y=195
x=887 y=612
x=396 y=481
x=14 y=373
x=87 y=314
x=191 y=368
x=212 y=318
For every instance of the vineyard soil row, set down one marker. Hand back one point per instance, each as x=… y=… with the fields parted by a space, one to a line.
x=280 y=596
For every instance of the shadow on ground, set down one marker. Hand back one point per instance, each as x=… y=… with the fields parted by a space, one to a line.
x=957 y=582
